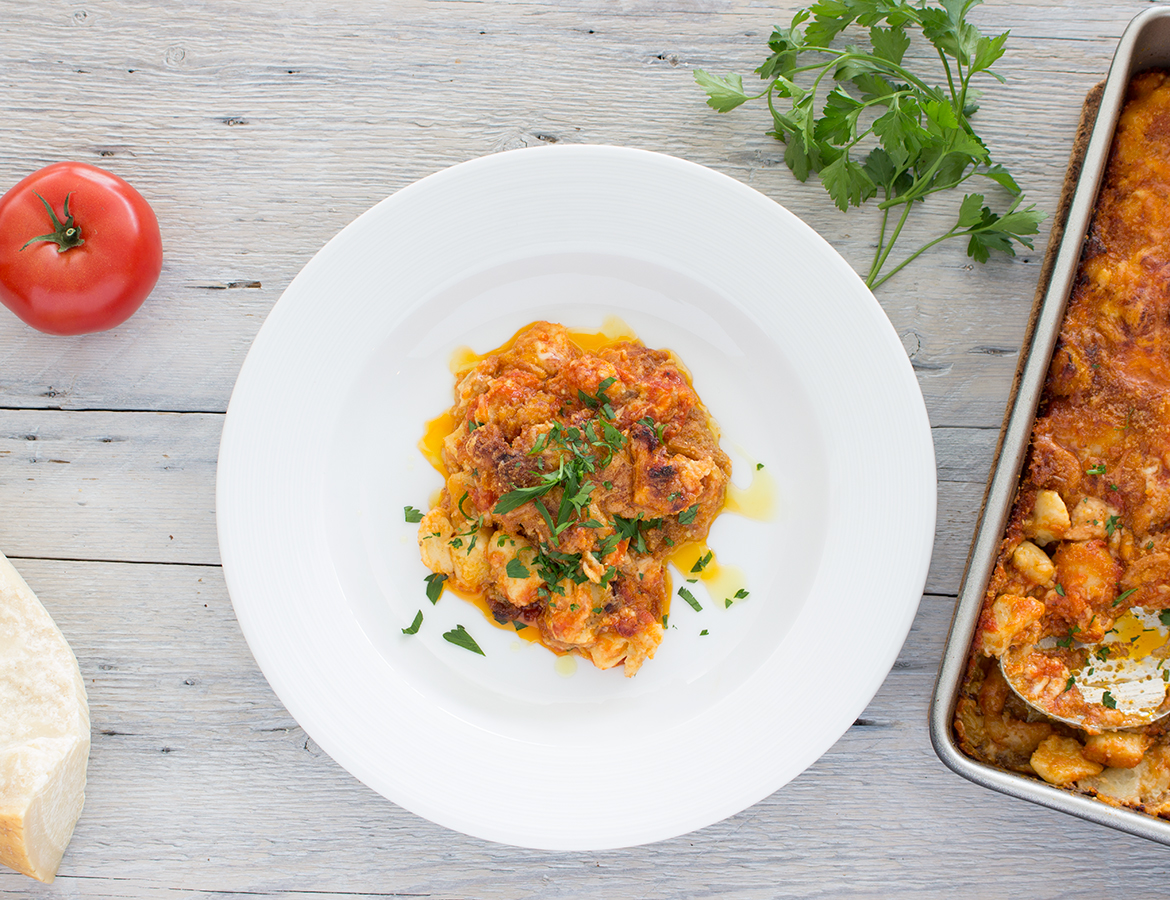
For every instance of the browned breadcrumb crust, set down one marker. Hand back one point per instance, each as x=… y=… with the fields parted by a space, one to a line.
x=1089 y=533
x=571 y=476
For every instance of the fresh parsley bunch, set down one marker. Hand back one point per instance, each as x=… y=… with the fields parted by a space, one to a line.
x=883 y=130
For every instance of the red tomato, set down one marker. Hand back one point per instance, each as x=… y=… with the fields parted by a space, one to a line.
x=89 y=263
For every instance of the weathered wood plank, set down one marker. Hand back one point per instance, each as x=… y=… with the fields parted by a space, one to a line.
x=114 y=486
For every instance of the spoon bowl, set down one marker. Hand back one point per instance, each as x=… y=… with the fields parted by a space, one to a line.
x=1121 y=682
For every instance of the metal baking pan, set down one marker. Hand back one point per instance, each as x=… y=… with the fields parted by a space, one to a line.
x=1144 y=45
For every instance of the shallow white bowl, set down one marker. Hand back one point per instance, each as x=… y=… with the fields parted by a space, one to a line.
x=791 y=354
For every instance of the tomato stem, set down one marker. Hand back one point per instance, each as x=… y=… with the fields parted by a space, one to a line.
x=65 y=235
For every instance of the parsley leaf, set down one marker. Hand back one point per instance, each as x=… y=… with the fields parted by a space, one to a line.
x=460 y=638
x=723 y=94
x=435 y=586
x=414 y=626
x=517 y=498
x=703 y=561
x=690 y=598
x=414 y=516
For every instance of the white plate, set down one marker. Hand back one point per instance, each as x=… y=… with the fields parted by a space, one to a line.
x=791 y=354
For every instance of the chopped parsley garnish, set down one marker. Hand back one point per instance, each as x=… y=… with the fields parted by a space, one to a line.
x=580 y=452
x=740 y=594
x=759 y=466
x=727 y=603
x=688 y=515
x=554 y=566
x=516 y=569
x=1164 y=617
x=1123 y=595
x=1108 y=702
x=703 y=561
x=414 y=516
x=1060 y=589
x=1111 y=525
x=1068 y=684
x=703 y=633
x=472 y=532
x=519 y=626
x=1068 y=639
x=435 y=586
x=690 y=598
x=658 y=428
x=1098 y=469
x=599 y=401
x=414 y=626
x=460 y=638
x=517 y=498
x=634 y=530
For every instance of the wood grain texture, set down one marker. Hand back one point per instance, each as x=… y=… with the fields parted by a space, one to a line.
x=257 y=131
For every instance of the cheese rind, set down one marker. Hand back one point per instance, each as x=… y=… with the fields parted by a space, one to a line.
x=44 y=733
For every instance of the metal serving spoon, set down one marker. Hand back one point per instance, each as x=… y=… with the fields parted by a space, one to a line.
x=1121 y=682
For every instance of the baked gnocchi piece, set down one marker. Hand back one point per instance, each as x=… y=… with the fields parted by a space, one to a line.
x=1061 y=760
x=1049 y=520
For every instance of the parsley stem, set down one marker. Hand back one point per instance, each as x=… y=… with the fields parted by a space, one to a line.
x=950 y=81
x=875 y=265
x=890 y=244
x=909 y=259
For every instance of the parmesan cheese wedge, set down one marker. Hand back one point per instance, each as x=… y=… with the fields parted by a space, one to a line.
x=44 y=733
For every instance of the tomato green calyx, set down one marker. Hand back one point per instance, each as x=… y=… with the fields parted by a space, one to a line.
x=66 y=235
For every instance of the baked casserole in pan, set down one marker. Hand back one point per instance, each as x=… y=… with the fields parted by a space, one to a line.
x=1070 y=572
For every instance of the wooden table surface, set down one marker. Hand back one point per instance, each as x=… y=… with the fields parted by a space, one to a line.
x=257 y=131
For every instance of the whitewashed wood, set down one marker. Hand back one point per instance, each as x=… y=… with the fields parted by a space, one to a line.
x=201 y=782
x=258 y=137
x=259 y=130
x=137 y=487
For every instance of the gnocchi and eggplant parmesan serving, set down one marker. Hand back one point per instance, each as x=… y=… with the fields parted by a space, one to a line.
x=571 y=476
x=1081 y=586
